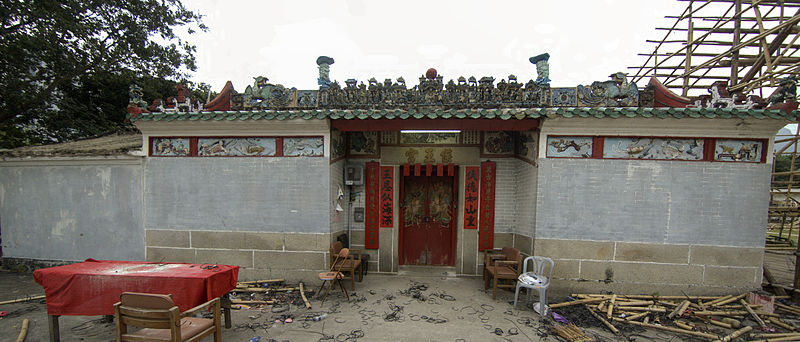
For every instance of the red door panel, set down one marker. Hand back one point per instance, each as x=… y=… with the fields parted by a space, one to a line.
x=440 y=211
x=428 y=220
x=413 y=225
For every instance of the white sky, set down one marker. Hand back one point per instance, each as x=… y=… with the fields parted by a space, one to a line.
x=587 y=39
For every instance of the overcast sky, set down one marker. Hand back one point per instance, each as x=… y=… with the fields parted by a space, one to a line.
x=586 y=39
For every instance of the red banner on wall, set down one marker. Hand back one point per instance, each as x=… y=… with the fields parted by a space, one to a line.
x=471 y=184
x=387 y=196
x=371 y=223
x=486 y=231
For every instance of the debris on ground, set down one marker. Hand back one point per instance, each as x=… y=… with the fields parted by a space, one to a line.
x=724 y=318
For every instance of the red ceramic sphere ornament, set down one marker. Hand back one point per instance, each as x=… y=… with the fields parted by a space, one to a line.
x=430 y=74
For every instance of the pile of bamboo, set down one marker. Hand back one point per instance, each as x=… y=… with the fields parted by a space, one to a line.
x=270 y=285
x=692 y=315
x=571 y=333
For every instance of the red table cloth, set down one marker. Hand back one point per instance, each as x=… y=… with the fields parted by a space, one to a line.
x=93 y=287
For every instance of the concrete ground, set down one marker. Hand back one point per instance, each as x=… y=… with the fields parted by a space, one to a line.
x=383 y=308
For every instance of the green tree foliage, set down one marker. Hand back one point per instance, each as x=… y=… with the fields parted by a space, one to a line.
x=783 y=163
x=65 y=66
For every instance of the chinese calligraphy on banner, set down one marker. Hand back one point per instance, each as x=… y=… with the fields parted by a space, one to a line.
x=387 y=196
x=471 y=197
x=371 y=198
x=486 y=230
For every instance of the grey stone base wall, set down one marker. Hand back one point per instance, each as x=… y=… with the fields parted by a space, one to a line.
x=292 y=256
x=670 y=269
x=29 y=265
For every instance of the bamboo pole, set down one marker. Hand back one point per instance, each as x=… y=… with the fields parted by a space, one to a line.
x=239 y=301
x=22 y=300
x=260 y=289
x=736 y=334
x=606 y=323
x=684 y=325
x=679 y=309
x=753 y=313
x=717 y=300
x=647 y=297
x=576 y=302
x=777 y=339
x=676 y=330
x=637 y=316
x=771 y=335
x=24 y=331
x=303 y=294
x=722 y=324
x=780 y=323
x=611 y=306
x=729 y=300
x=261 y=281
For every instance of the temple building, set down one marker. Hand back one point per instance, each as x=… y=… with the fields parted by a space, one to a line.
x=629 y=189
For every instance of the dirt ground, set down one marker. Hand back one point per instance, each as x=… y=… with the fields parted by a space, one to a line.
x=411 y=307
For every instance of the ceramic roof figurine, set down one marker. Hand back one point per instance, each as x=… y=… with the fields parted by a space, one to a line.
x=324 y=63
x=542 y=68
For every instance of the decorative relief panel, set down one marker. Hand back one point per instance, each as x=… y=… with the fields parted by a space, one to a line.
x=498 y=143
x=738 y=150
x=363 y=143
x=170 y=147
x=569 y=147
x=471 y=137
x=310 y=147
x=338 y=144
x=564 y=97
x=528 y=145
x=235 y=147
x=429 y=138
x=653 y=148
x=389 y=138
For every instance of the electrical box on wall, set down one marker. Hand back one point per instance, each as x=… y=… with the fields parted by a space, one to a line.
x=358 y=214
x=353 y=175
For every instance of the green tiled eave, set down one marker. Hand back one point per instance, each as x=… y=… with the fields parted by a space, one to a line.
x=498 y=113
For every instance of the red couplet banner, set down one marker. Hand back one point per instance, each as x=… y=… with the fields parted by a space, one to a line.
x=471 y=184
x=371 y=223
x=387 y=196
x=486 y=230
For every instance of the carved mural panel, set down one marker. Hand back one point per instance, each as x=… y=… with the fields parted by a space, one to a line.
x=569 y=147
x=653 y=148
x=738 y=150
x=170 y=147
x=307 y=146
x=233 y=147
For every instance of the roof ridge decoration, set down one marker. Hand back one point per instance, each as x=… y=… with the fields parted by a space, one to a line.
x=432 y=97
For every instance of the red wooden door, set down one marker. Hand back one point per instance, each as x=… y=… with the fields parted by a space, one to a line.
x=428 y=221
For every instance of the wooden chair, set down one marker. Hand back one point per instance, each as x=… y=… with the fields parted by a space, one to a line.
x=335 y=274
x=161 y=319
x=501 y=265
x=350 y=265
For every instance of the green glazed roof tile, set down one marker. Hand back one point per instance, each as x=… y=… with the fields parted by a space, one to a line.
x=502 y=113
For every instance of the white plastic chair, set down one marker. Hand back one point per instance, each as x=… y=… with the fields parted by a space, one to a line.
x=538 y=278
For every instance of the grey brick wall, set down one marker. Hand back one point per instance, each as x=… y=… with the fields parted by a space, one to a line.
x=71 y=213
x=505 y=195
x=653 y=201
x=525 y=199
x=238 y=194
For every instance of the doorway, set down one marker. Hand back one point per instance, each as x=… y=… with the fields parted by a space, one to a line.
x=427 y=220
